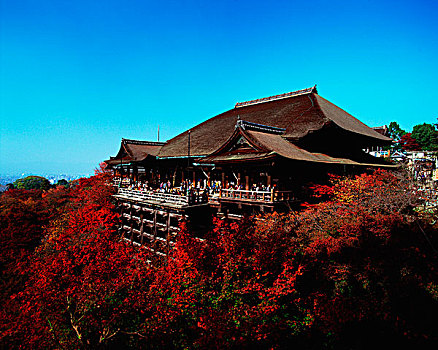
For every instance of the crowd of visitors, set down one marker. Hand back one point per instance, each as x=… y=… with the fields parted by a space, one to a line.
x=200 y=187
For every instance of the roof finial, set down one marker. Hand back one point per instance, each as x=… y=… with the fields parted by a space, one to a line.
x=239 y=122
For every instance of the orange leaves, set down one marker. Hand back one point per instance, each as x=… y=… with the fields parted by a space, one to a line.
x=380 y=191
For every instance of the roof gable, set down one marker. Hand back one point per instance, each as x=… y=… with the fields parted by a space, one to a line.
x=269 y=145
x=238 y=142
x=136 y=150
x=242 y=145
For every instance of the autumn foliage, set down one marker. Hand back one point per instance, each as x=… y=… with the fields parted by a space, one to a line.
x=355 y=269
x=408 y=143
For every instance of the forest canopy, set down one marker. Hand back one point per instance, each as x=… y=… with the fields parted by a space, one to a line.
x=31 y=183
x=423 y=137
x=355 y=269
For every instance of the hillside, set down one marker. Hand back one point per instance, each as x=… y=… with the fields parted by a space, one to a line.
x=354 y=269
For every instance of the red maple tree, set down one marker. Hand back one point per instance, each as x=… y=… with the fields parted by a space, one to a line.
x=408 y=143
x=358 y=268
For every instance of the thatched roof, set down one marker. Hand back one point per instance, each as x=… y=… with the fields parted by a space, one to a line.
x=299 y=113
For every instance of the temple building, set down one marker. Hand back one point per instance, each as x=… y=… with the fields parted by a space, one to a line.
x=255 y=157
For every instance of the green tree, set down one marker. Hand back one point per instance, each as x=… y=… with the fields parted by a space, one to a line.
x=426 y=136
x=396 y=133
x=62 y=182
x=32 y=182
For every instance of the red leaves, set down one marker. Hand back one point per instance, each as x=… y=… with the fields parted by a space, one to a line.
x=80 y=273
x=408 y=143
x=321 y=270
x=305 y=277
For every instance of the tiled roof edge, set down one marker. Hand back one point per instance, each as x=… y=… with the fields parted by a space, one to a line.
x=139 y=142
x=276 y=97
x=259 y=127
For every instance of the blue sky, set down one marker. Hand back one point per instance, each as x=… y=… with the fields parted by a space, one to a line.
x=77 y=76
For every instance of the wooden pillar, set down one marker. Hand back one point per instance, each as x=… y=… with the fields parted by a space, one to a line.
x=223 y=180
x=131 y=226
x=268 y=180
x=239 y=180
x=247 y=182
x=141 y=228
x=155 y=225
x=168 y=234
x=194 y=178
x=121 y=220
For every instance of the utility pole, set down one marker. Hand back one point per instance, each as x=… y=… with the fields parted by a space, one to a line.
x=188 y=149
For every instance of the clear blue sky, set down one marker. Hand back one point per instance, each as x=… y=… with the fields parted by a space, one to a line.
x=77 y=76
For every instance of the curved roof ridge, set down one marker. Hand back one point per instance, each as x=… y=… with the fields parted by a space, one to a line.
x=345 y=120
x=245 y=125
x=127 y=149
x=277 y=97
x=141 y=142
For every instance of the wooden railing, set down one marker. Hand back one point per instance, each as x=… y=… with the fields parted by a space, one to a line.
x=280 y=196
x=195 y=198
x=148 y=196
x=167 y=198
x=258 y=196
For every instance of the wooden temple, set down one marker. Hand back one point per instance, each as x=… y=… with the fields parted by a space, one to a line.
x=256 y=157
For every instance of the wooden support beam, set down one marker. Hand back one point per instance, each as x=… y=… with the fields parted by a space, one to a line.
x=141 y=229
x=132 y=225
x=155 y=224
x=167 y=233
